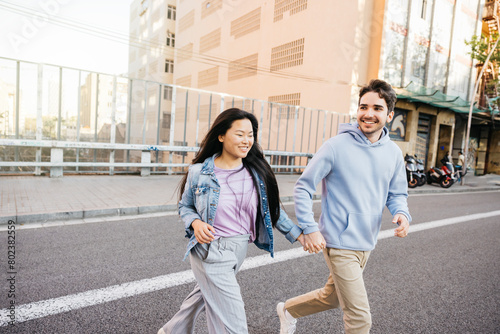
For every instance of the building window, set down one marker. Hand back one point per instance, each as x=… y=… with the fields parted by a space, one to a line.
x=166 y=121
x=284 y=112
x=424 y=10
x=167 y=93
x=418 y=62
x=287 y=55
x=169 y=66
x=210 y=41
x=208 y=77
x=417 y=68
x=210 y=7
x=170 y=39
x=171 y=12
x=283 y=6
x=243 y=67
x=144 y=7
x=246 y=24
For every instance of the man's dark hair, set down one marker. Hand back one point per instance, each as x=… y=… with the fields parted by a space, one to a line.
x=383 y=89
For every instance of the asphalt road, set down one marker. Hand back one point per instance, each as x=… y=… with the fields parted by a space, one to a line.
x=437 y=280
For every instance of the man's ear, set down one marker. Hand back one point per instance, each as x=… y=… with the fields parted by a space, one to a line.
x=390 y=116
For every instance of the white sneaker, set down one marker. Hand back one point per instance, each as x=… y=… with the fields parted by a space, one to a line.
x=286 y=326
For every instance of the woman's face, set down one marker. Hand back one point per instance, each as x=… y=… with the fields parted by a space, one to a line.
x=238 y=140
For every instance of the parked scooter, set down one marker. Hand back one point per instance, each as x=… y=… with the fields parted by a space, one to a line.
x=449 y=170
x=435 y=174
x=445 y=176
x=412 y=174
x=420 y=170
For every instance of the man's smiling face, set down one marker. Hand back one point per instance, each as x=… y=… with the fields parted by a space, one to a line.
x=372 y=115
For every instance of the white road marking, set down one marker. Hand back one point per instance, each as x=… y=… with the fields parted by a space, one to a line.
x=58 y=305
x=54 y=223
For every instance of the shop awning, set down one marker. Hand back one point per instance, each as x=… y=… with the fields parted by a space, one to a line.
x=418 y=93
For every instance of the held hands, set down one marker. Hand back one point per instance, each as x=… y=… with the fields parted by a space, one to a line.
x=404 y=225
x=313 y=242
x=203 y=231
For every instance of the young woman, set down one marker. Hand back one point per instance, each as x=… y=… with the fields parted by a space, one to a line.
x=228 y=198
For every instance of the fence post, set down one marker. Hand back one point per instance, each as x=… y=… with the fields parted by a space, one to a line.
x=56 y=156
x=39 y=118
x=146 y=158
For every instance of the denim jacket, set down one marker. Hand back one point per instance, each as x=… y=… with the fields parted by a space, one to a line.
x=200 y=199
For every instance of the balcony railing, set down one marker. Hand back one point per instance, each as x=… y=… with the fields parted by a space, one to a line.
x=490 y=10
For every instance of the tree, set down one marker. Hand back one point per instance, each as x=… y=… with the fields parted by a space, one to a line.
x=480 y=47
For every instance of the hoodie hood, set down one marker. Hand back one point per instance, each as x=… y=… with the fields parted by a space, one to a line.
x=359 y=136
x=358 y=179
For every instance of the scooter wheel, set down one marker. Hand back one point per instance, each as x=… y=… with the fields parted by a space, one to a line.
x=429 y=179
x=446 y=183
x=413 y=183
x=422 y=180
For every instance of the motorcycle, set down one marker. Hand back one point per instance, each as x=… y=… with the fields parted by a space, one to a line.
x=445 y=177
x=412 y=174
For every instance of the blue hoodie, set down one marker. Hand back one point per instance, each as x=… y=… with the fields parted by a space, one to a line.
x=358 y=179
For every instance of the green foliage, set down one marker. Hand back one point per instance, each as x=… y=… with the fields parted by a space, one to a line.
x=481 y=46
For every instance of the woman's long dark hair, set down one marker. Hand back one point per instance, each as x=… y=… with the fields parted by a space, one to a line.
x=254 y=160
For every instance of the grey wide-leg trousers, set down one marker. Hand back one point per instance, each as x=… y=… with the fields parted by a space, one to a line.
x=214 y=266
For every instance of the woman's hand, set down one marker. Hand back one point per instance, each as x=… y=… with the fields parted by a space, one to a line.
x=203 y=231
x=300 y=239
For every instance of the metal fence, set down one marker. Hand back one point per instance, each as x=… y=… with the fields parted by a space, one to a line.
x=69 y=120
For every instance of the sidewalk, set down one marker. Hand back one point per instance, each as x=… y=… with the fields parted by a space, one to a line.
x=38 y=199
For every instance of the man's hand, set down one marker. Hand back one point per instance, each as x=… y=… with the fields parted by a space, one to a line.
x=203 y=231
x=404 y=225
x=313 y=242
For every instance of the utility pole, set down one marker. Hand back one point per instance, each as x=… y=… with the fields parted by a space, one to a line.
x=472 y=103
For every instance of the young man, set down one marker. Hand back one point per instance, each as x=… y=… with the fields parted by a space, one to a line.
x=361 y=171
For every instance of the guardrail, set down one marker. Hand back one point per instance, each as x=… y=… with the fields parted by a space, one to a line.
x=78 y=121
x=57 y=163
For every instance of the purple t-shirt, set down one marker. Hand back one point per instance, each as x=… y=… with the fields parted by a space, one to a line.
x=237 y=207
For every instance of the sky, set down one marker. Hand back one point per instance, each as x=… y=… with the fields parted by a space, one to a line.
x=84 y=34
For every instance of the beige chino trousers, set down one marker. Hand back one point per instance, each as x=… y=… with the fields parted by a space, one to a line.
x=344 y=288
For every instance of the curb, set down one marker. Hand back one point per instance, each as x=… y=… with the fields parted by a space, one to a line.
x=84 y=214
x=467 y=189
